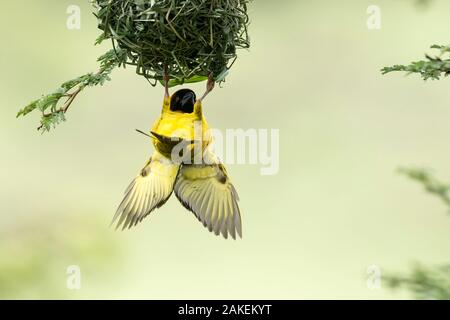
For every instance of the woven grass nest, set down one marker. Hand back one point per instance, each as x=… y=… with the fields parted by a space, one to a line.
x=191 y=38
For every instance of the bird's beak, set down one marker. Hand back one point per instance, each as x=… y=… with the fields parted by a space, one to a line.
x=145 y=134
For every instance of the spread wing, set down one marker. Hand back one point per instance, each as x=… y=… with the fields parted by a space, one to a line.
x=149 y=190
x=206 y=190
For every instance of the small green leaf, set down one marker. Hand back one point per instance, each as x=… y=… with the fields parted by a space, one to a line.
x=177 y=82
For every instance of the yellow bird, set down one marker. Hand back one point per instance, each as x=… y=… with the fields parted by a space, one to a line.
x=184 y=164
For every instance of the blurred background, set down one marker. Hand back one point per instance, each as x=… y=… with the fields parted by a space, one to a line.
x=336 y=207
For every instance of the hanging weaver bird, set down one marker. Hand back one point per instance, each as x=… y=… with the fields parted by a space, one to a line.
x=199 y=179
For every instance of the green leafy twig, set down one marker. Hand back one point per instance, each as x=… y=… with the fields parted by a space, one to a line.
x=424 y=283
x=51 y=114
x=432 y=185
x=434 y=67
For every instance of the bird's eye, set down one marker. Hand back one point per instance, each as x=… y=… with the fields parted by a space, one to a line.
x=183 y=101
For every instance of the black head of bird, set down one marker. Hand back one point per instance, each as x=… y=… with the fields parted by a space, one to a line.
x=183 y=101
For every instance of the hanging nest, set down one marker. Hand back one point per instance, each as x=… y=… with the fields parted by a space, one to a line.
x=192 y=38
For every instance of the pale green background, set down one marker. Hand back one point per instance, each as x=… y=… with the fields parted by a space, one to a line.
x=336 y=206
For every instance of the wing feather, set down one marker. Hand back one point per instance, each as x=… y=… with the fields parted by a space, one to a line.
x=149 y=190
x=206 y=190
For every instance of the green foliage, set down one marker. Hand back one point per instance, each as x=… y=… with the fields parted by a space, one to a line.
x=47 y=105
x=434 y=67
x=424 y=283
x=191 y=38
x=431 y=185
